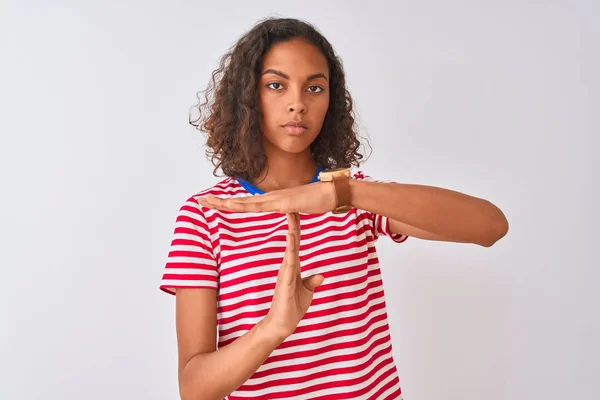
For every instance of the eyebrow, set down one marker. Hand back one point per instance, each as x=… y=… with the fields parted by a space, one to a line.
x=284 y=76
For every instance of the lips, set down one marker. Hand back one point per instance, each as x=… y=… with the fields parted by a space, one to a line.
x=295 y=127
x=296 y=124
x=294 y=130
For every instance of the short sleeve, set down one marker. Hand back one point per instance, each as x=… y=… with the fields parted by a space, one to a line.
x=379 y=223
x=191 y=262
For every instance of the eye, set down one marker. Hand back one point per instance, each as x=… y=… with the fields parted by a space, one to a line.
x=275 y=85
x=315 y=89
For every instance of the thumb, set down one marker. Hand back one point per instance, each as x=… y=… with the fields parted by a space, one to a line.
x=313 y=282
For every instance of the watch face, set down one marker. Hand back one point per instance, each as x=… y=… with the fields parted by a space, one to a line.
x=338 y=169
x=330 y=173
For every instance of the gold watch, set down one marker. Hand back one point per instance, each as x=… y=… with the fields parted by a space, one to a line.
x=341 y=182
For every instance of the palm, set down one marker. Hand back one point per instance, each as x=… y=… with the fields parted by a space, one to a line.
x=314 y=198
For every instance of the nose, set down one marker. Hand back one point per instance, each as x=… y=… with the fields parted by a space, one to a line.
x=296 y=104
x=296 y=108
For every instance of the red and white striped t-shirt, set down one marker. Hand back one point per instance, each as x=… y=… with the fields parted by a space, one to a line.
x=342 y=348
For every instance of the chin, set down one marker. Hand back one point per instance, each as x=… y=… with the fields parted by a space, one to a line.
x=293 y=148
x=291 y=144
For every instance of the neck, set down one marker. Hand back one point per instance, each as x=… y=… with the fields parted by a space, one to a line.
x=286 y=170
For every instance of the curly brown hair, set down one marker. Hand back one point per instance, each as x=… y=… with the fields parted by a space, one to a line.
x=231 y=114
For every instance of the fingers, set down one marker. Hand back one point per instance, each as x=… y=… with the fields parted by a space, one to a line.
x=259 y=203
x=312 y=282
x=293 y=236
x=292 y=250
x=290 y=267
x=293 y=219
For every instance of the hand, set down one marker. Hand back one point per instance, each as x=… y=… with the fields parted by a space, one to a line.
x=293 y=294
x=314 y=198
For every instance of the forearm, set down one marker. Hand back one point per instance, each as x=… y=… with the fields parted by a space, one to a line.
x=214 y=375
x=450 y=214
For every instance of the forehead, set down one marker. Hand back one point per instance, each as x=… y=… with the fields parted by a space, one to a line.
x=296 y=56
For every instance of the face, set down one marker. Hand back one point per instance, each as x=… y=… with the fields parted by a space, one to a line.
x=293 y=90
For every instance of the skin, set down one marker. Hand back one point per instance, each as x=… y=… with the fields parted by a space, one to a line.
x=294 y=86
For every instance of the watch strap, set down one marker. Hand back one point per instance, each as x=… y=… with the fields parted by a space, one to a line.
x=341 y=184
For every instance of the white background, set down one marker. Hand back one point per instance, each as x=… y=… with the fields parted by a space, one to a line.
x=496 y=99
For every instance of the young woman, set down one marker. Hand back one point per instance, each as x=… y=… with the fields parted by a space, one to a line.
x=276 y=276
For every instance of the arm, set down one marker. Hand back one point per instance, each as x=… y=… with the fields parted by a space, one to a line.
x=431 y=213
x=207 y=373
x=424 y=212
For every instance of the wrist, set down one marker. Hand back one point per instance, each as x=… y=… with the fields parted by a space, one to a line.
x=329 y=194
x=268 y=332
x=340 y=183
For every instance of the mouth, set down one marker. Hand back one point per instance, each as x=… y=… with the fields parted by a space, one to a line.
x=295 y=128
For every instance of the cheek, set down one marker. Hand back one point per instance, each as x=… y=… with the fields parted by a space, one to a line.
x=267 y=109
x=323 y=104
x=320 y=108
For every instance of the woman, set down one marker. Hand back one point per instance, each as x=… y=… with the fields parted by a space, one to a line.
x=300 y=315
